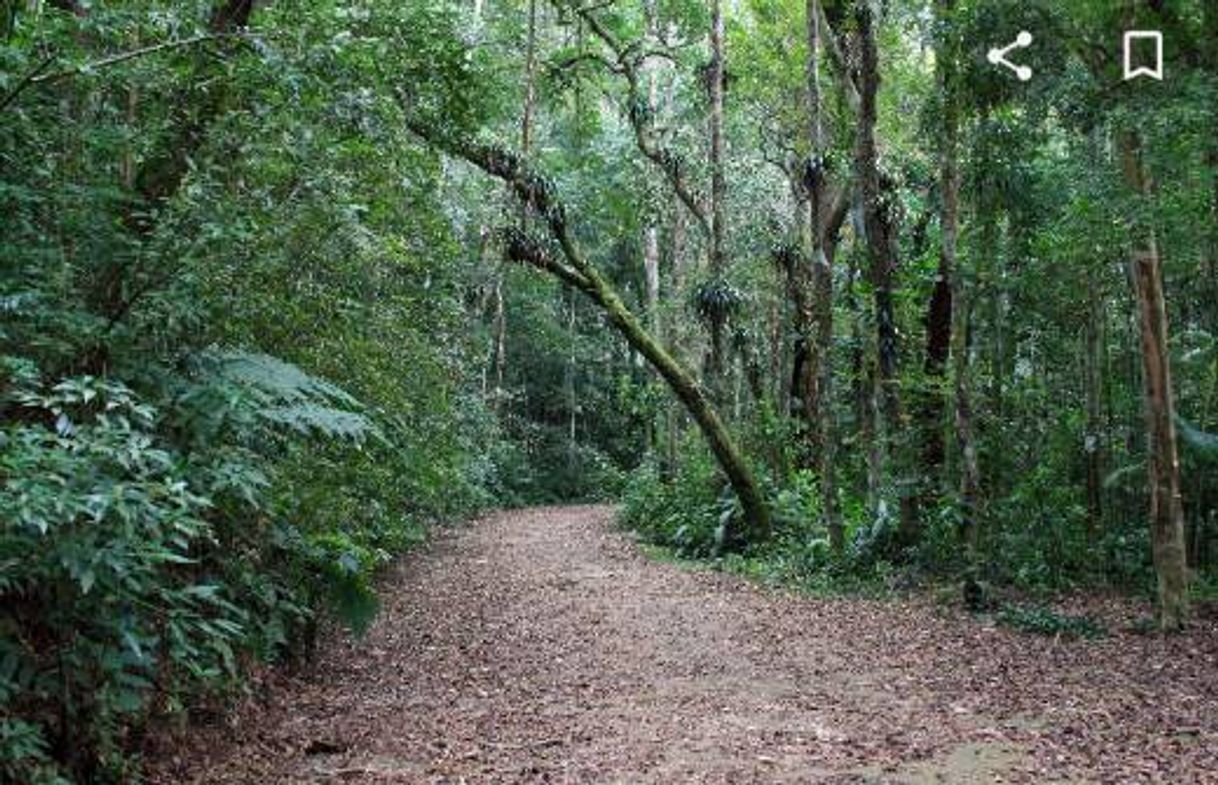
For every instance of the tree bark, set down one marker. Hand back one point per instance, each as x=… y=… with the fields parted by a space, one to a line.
x=879 y=221
x=970 y=471
x=651 y=259
x=530 y=93
x=1166 y=506
x=950 y=309
x=818 y=386
x=718 y=259
x=1211 y=36
x=939 y=310
x=1093 y=379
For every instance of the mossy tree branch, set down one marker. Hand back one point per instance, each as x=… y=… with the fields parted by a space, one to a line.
x=577 y=270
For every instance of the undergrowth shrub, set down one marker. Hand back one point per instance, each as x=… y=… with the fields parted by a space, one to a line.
x=686 y=512
x=1041 y=620
x=147 y=551
x=103 y=606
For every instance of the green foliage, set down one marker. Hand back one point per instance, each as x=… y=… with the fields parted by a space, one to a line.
x=98 y=555
x=1045 y=621
x=686 y=512
x=234 y=379
x=285 y=396
x=251 y=329
x=1206 y=444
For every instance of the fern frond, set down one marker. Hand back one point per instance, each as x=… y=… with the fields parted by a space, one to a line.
x=309 y=418
x=280 y=380
x=289 y=397
x=1206 y=444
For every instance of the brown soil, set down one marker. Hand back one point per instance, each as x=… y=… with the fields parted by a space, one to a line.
x=542 y=646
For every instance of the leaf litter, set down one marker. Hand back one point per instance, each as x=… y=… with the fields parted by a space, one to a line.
x=542 y=646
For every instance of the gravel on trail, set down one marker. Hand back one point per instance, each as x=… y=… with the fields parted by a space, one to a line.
x=541 y=646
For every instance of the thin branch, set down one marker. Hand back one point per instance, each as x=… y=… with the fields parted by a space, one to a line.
x=577 y=59
x=628 y=61
x=26 y=81
x=123 y=57
x=839 y=59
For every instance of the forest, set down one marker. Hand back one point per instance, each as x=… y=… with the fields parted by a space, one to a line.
x=818 y=295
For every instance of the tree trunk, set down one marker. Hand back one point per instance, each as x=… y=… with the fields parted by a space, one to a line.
x=939 y=311
x=1093 y=379
x=499 y=338
x=970 y=472
x=569 y=383
x=1166 y=507
x=499 y=323
x=676 y=334
x=530 y=87
x=1210 y=302
x=651 y=271
x=819 y=374
x=879 y=223
x=718 y=260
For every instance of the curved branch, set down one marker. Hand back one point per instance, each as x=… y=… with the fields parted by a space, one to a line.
x=534 y=189
x=839 y=60
x=627 y=59
x=27 y=80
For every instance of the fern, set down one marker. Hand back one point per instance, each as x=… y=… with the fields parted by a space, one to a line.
x=1205 y=444
x=311 y=418
x=278 y=379
x=288 y=397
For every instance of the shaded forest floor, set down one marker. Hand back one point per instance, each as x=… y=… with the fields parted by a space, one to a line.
x=542 y=646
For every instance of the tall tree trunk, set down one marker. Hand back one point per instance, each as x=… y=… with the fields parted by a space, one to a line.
x=677 y=283
x=651 y=261
x=970 y=471
x=879 y=223
x=819 y=378
x=1093 y=380
x=938 y=318
x=949 y=314
x=499 y=324
x=1211 y=301
x=718 y=260
x=939 y=310
x=1166 y=507
x=499 y=337
x=569 y=383
x=530 y=89
x=499 y=318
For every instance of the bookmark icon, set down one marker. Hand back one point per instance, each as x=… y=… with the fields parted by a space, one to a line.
x=1133 y=39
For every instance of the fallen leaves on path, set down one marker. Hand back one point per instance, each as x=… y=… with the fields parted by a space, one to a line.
x=541 y=646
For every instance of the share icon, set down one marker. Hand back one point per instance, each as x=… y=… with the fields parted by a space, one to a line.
x=998 y=55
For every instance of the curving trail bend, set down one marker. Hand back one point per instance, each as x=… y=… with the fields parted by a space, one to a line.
x=541 y=646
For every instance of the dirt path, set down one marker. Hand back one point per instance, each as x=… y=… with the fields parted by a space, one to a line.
x=540 y=646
